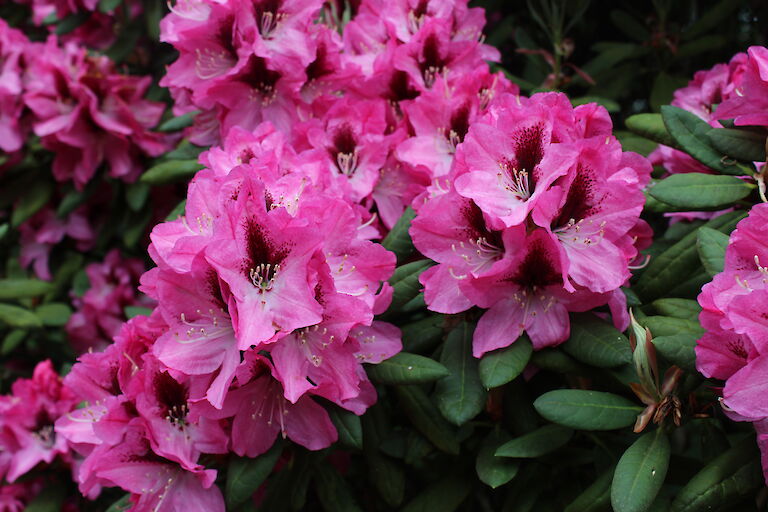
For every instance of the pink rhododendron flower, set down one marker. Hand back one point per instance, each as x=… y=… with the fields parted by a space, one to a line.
x=747 y=105
x=89 y=114
x=101 y=310
x=539 y=193
x=733 y=311
x=27 y=419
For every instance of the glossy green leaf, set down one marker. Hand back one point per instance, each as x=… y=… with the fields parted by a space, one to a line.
x=22 y=288
x=505 y=364
x=54 y=314
x=460 y=395
x=31 y=202
x=333 y=491
x=664 y=86
x=679 y=262
x=136 y=195
x=405 y=368
x=630 y=25
x=495 y=471
x=702 y=45
x=745 y=145
x=587 y=410
x=178 y=211
x=70 y=23
x=427 y=419
x=555 y=360
x=596 y=342
x=650 y=126
x=15 y=316
x=50 y=500
x=178 y=123
x=730 y=476
x=122 y=505
x=423 y=335
x=686 y=309
x=697 y=191
x=678 y=349
x=690 y=133
x=405 y=282
x=711 y=245
x=640 y=473
x=387 y=476
x=596 y=497
x=399 y=240
x=107 y=6
x=668 y=326
x=348 y=426
x=445 y=496
x=12 y=340
x=540 y=442
x=246 y=474
x=711 y=18
x=170 y=171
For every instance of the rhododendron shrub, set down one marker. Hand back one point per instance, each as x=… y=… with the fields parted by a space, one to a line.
x=381 y=255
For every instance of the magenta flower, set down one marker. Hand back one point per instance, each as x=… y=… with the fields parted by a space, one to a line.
x=27 y=419
x=748 y=103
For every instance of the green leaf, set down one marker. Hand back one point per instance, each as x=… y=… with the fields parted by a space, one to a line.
x=495 y=471
x=596 y=497
x=132 y=311
x=51 y=499
x=597 y=343
x=121 y=505
x=405 y=368
x=640 y=473
x=427 y=418
x=349 y=427
x=136 y=195
x=540 y=442
x=15 y=316
x=711 y=18
x=690 y=133
x=668 y=326
x=126 y=41
x=711 y=245
x=31 y=202
x=503 y=365
x=54 y=314
x=686 y=309
x=170 y=171
x=555 y=360
x=387 y=477
x=697 y=191
x=678 y=349
x=679 y=262
x=107 y=6
x=650 y=126
x=399 y=240
x=22 y=288
x=178 y=123
x=245 y=475
x=178 y=211
x=423 y=335
x=71 y=22
x=332 y=490
x=630 y=25
x=708 y=43
x=732 y=475
x=12 y=340
x=587 y=410
x=745 y=145
x=608 y=104
x=445 y=496
x=460 y=395
x=405 y=282
x=663 y=88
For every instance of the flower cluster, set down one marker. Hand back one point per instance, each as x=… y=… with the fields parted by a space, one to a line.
x=82 y=109
x=733 y=314
x=27 y=417
x=704 y=96
x=538 y=217
x=100 y=312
